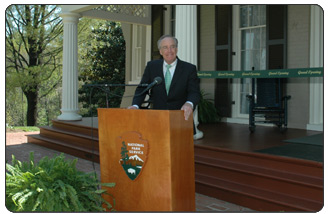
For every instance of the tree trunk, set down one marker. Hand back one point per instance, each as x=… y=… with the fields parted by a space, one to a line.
x=31 y=107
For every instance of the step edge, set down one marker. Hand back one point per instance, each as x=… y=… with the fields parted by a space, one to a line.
x=254 y=173
x=259 y=190
x=77 y=134
x=56 y=142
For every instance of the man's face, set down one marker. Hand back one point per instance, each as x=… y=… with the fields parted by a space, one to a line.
x=168 y=50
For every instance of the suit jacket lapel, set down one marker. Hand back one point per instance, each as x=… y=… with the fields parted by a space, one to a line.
x=159 y=69
x=159 y=73
x=177 y=73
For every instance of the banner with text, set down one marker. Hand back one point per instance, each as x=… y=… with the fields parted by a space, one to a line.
x=276 y=73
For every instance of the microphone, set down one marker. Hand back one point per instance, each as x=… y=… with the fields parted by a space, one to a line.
x=157 y=80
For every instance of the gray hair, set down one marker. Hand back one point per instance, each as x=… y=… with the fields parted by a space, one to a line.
x=166 y=36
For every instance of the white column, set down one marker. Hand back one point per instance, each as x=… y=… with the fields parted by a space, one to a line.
x=316 y=60
x=186 y=33
x=70 y=73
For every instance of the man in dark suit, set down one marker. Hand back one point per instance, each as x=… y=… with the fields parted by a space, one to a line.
x=180 y=86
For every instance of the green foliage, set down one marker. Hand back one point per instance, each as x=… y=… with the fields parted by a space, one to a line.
x=15 y=105
x=33 y=54
x=207 y=112
x=103 y=63
x=52 y=185
x=48 y=107
x=25 y=128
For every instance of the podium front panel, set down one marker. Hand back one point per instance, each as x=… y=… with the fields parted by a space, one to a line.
x=149 y=154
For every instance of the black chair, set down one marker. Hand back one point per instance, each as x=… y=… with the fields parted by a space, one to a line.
x=267 y=104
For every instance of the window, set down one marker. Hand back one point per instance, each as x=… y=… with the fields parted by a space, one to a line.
x=252 y=26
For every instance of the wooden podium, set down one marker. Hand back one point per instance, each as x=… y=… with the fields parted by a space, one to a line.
x=149 y=154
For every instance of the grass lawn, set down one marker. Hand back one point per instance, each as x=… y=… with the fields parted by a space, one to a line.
x=22 y=129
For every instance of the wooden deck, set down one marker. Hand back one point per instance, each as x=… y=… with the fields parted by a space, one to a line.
x=237 y=137
x=227 y=165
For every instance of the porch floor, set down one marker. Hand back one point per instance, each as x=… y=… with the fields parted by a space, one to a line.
x=238 y=137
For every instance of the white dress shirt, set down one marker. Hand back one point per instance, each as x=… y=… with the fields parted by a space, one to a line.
x=172 y=70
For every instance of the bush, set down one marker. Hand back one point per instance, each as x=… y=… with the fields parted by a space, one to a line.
x=52 y=185
x=207 y=112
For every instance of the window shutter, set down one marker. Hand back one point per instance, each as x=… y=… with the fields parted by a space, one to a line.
x=157 y=13
x=277 y=44
x=223 y=87
x=276 y=36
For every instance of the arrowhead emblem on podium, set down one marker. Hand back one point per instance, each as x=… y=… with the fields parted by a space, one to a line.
x=133 y=153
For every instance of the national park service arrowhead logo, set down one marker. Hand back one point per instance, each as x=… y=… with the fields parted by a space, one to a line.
x=134 y=153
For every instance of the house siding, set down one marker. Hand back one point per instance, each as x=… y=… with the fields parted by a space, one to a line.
x=298 y=57
x=207 y=47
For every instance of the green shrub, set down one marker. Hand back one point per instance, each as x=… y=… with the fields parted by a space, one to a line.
x=207 y=112
x=52 y=185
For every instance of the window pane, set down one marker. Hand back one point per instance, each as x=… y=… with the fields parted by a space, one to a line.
x=243 y=16
x=247 y=39
x=257 y=59
x=263 y=37
x=262 y=15
x=255 y=15
x=257 y=38
x=246 y=60
x=250 y=40
x=263 y=59
x=251 y=16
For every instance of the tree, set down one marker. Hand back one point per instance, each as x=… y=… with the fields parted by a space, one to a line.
x=124 y=153
x=103 y=63
x=33 y=47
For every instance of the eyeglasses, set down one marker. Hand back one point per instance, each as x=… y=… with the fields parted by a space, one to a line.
x=165 y=48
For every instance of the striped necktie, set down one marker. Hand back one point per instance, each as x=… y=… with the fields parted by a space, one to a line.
x=168 y=78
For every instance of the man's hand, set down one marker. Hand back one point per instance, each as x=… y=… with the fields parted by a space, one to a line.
x=187 y=108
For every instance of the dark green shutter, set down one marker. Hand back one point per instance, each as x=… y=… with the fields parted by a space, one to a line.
x=276 y=36
x=223 y=87
x=157 y=29
x=277 y=45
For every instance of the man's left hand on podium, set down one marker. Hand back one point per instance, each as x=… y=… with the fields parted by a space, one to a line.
x=188 y=110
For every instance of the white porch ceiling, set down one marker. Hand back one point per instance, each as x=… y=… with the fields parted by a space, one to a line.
x=133 y=14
